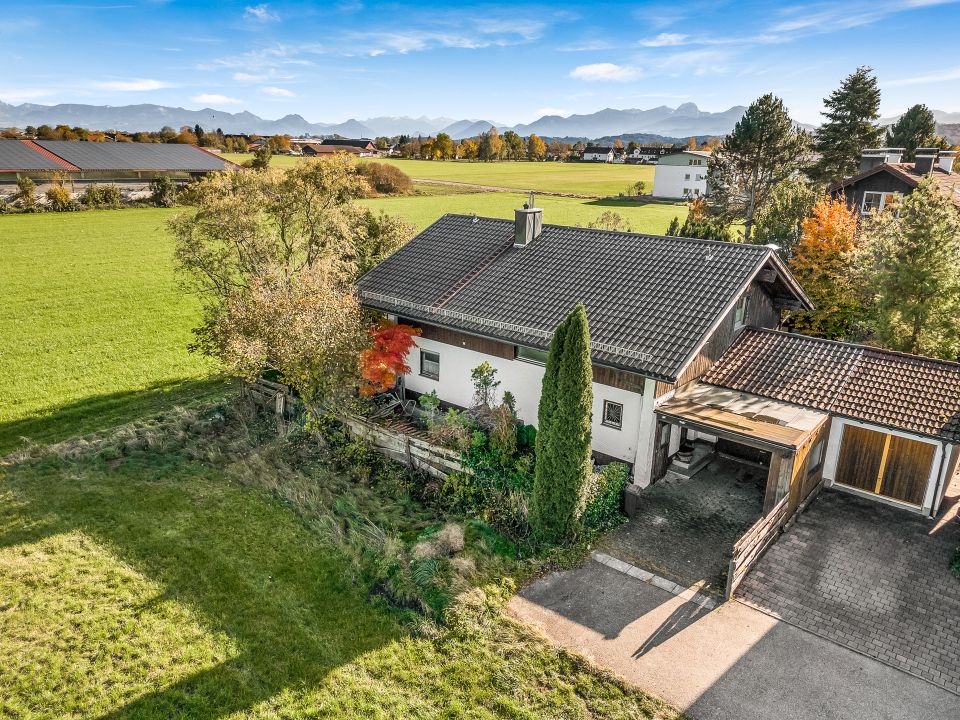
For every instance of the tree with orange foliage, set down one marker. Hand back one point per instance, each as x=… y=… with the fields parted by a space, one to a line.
x=822 y=262
x=386 y=359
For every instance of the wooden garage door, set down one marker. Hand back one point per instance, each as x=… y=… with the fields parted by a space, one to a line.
x=888 y=465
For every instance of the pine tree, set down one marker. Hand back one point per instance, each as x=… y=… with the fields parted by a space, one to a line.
x=915 y=128
x=564 y=432
x=852 y=111
x=780 y=222
x=674 y=229
x=763 y=150
x=912 y=275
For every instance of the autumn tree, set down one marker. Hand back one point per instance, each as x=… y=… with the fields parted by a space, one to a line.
x=491 y=146
x=385 y=360
x=514 y=148
x=850 y=127
x=910 y=267
x=261 y=157
x=536 y=148
x=822 y=263
x=443 y=146
x=273 y=256
x=763 y=150
x=916 y=128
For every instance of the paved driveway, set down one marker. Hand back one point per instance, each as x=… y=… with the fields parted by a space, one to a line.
x=870 y=577
x=734 y=662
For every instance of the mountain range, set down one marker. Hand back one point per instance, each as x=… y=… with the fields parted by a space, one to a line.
x=669 y=123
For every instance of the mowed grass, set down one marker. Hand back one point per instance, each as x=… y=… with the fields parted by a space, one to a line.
x=653 y=218
x=94 y=328
x=140 y=579
x=599 y=179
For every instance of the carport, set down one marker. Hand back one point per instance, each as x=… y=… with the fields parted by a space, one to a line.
x=791 y=436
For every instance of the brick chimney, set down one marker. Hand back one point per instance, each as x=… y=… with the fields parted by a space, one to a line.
x=924 y=160
x=528 y=222
x=874 y=157
x=946 y=160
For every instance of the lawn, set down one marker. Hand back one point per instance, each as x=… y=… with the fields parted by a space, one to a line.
x=651 y=218
x=600 y=179
x=94 y=327
x=151 y=575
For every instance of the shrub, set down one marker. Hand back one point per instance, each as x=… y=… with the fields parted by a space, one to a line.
x=610 y=220
x=526 y=437
x=604 y=496
x=476 y=609
x=385 y=179
x=102 y=196
x=454 y=430
x=955 y=564
x=26 y=194
x=485 y=384
x=503 y=436
x=163 y=191
x=59 y=199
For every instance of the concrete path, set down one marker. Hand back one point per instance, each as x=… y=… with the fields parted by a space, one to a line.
x=732 y=663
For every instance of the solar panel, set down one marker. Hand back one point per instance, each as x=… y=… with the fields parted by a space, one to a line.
x=14 y=156
x=134 y=156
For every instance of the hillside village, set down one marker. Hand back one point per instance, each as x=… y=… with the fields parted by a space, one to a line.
x=481 y=422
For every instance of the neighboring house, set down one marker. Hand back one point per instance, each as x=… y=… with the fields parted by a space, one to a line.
x=85 y=163
x=596 y=153
x=681 y=175
x=315 y=149
x=883 y=178
x=650 y=155
x=256 y=144
x=684 y=349
x=364 y=148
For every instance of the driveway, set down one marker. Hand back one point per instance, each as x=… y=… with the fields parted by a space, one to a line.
x=872 y=578
x=732 y=663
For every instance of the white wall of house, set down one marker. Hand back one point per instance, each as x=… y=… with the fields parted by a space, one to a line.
x=599 y=157
x=681 y=175
x=832 y=458
x=524 y=379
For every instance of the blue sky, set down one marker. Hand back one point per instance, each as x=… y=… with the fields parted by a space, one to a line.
x=504 y=62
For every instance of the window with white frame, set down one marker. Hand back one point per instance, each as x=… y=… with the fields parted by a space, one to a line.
x=740 y=313
x=430 y=364
x=612 y=414
x=686 y=176
x=876 y=201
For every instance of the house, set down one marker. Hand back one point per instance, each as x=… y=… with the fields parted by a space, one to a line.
x=883 y=177
x=364 y=147
x=127 y=164
x=596 y=153
x=686 y=352
x=320 y=149
x=649 y=155
x=681 y=175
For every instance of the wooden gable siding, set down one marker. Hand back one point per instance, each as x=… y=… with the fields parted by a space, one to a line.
x=622 y=379
x=760 y=313
x=879 y=182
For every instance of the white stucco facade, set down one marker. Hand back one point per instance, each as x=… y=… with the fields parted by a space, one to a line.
x=681 y=175
x=524 y=379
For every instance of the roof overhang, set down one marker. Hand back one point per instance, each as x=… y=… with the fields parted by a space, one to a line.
x=742 y=417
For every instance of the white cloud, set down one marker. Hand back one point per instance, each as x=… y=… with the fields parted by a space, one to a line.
x=136 y=85
x=273 y=91
x=934 y=77
x=260 y=13
x=245 y=77
x=666 y=40
x=214 y=99
x=605 y=72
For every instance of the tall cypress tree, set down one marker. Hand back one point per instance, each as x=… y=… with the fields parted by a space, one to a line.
x=915 y=128
x=563 y=440
x=852 y=111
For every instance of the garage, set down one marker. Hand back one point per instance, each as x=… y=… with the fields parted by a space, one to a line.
x=880 y=463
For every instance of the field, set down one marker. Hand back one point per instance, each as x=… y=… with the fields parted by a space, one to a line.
x=94 y=327
x=598 y=179
x=150 y=575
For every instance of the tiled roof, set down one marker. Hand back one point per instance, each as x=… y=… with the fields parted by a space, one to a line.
x=26 y=155
x=948 y=183
x=343 y=142
x=135 y=156
x=651 y=301
x=908 y=392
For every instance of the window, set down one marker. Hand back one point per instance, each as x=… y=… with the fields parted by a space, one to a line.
x=740 y=314
x=686 y=176
x=816 y=459
x=532 y=355
x=430 y=364
x=876 y=201
x=612 y=414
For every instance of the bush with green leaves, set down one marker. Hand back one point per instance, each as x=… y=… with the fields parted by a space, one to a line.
x=102 y=196
x=385 y=179
x=163 y=191
x=453 y=430
x=26 y=195
x=485 y=384
x=605 y=497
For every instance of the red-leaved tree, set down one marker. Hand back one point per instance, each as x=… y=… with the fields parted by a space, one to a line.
x=386 y=359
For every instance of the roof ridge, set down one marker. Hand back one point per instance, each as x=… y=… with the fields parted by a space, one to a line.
x=50 y=155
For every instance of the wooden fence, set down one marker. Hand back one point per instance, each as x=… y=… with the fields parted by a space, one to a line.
x=274 y=397
x=408 y=449
x=750 y=548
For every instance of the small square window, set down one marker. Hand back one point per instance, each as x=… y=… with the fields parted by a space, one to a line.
x=612 y=414
x=430 y=364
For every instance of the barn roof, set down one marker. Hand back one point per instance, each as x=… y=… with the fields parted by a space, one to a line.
x=79 y=155
x=25 y=155
x=897 y=390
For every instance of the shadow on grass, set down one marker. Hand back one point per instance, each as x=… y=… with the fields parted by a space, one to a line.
x=245 y=564
x=102 y=412
x=636 y=203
